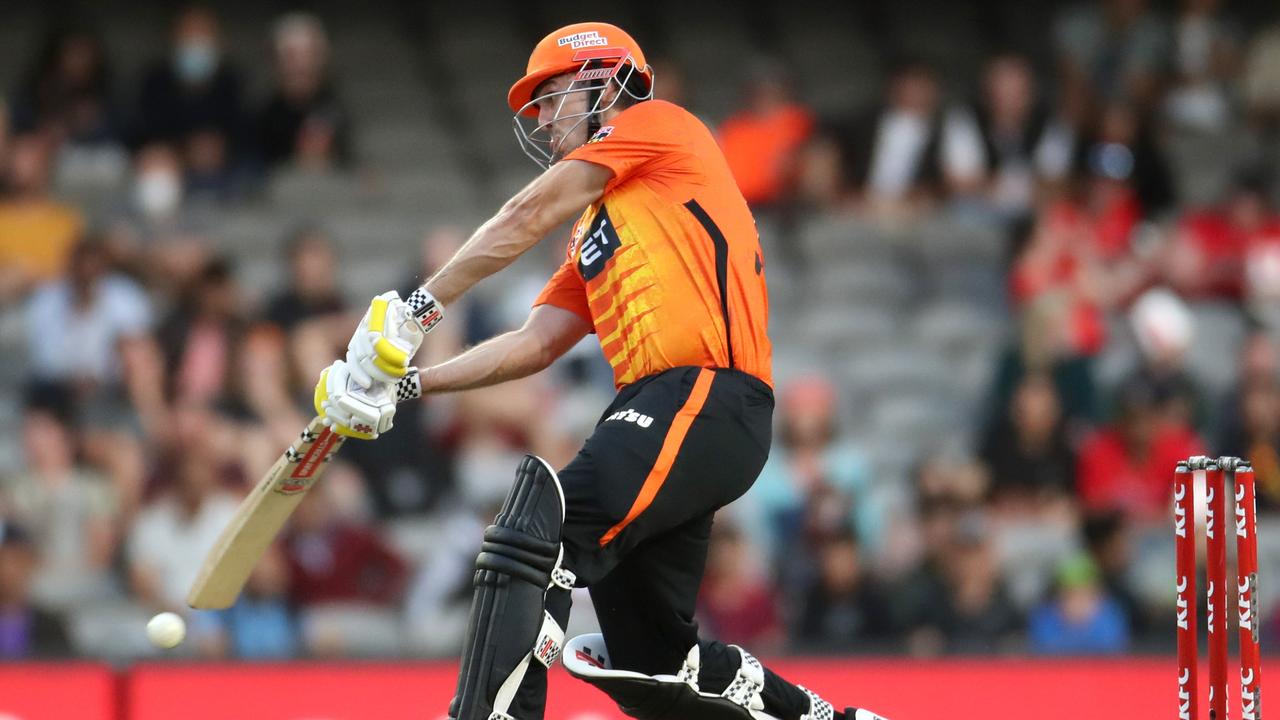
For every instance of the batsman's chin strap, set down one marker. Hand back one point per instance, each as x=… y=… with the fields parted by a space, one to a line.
x=593 y=101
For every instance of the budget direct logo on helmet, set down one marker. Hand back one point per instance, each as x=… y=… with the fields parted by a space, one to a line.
x=583 y=39
x=599 y=54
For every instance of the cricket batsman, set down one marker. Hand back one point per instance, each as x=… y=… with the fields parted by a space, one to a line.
x=664 y=265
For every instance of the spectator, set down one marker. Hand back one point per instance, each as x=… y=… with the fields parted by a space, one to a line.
x=72 y=509
x=1125 y=466
x=313 y=285
x=894 y=158
x=1008 y=144
x=1261 y=81
x=761 y=140
x=1027 y=450
x=1206 y=58
x=1206 y=256
x=1108 y=538
x=156 y=235
x=36 y=231
x=1164 y=328
x=67 y=92
x=842 y=608
x=304 y=120
x=309 y=315
x=1251 y=420
x=89 y=340
x=1109 y=50
x=27 y=632
x=172 y=535
x=808 y=458
x=1078 y=262
x=1120 y=145
x=334 y=558
x=201 y=338
x=736 y=604
x=957 y=602
x=194 y=100
x=67 y=95
x=1082 y=618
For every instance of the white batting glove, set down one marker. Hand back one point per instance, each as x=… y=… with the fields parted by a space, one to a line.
x=389 y=335
x=353 y=411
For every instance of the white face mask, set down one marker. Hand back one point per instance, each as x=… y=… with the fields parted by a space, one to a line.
x=157 y=193
x=196 y=61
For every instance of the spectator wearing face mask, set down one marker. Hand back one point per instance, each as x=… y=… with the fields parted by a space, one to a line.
x=193 y=99
x=304 y=121
x=153 y=233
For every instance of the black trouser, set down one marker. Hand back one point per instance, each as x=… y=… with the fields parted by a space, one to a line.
x=640 y=497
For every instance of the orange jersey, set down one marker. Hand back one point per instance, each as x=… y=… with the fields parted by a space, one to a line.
x=666 y=265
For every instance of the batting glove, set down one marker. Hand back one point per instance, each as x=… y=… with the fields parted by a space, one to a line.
x=356 y=412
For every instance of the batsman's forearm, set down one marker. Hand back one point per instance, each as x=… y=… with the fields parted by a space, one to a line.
x=494 y=246
x=553 y=198
x=506 y=357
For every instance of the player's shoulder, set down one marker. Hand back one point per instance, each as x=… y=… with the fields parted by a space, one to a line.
x=654 y=111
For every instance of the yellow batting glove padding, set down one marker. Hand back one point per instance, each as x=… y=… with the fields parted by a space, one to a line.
x=321 y=393
x=378 y=315
x=389 y=368
x=390 y=358
x=393 y=355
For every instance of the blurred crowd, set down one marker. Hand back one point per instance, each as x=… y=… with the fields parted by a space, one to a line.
x=156 y=388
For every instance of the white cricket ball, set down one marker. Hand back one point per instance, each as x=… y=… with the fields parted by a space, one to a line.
x=166 y=630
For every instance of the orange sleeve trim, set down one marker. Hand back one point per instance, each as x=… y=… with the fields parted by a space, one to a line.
x=667 y=455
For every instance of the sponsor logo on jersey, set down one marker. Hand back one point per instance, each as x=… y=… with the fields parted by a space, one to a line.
x=591 y=38
x=601 y=134
x=599 y=243
x=631 y=416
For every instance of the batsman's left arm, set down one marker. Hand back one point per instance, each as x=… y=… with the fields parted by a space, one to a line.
x=383 y=346
x=560 y=193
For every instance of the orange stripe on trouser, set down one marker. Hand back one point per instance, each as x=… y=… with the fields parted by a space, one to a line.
x=667 y=455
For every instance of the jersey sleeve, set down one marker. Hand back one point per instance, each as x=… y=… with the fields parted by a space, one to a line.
x=567 y=291
x=639 y=139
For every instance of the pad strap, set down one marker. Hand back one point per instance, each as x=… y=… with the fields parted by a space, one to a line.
x=550 y=641
x=563 y=578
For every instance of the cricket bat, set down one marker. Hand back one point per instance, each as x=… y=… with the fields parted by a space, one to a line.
x=261 y=515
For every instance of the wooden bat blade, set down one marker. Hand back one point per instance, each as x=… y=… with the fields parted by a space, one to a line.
x=260 y=517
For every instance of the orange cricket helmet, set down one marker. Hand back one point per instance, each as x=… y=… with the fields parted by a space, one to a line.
x=562 y=52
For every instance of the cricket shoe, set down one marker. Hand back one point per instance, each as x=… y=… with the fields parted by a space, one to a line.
x=820 y=709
